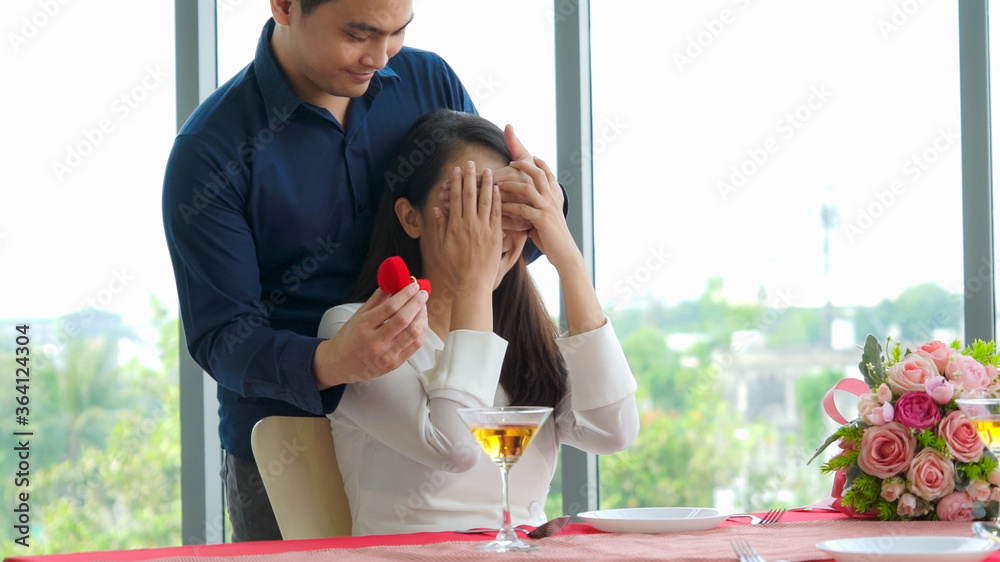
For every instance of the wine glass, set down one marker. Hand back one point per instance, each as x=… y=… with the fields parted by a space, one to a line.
x=984 y=413
x=504 y=433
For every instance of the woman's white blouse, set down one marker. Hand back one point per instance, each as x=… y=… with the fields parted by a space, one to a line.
x=409 y=462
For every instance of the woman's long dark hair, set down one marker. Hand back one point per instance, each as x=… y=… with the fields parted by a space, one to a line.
x=533 y=372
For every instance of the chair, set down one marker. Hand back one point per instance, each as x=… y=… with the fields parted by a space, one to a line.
x=299 y=467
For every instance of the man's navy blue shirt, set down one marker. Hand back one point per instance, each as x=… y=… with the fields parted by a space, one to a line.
x=268 y=205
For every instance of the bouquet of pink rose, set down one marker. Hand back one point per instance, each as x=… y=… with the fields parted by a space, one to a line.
x=911 y=453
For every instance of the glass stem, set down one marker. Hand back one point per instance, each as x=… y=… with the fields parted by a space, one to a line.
x=506 y=531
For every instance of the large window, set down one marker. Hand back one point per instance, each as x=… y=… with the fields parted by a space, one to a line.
x=89 y=121
x=773 y=181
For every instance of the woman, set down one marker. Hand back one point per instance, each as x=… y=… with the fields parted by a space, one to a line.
x=409 y=463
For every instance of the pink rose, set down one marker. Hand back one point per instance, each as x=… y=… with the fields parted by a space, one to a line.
x=907 y=506
x=968 y=372
x=936 y=352
x=867 y=404
x=961 y=437
x=940 y=389
x=955 y=507
x=910 y=373
x=886 y=450
x=882 y=414
x=979 y=490
x=917 y=410
x=872 y=409
x=892 y=489
x=931 y=475
x=884 y=393
x=994 y=477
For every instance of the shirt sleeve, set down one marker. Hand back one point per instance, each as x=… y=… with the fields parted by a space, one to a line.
x=599 y=414
x=460 y=98
x=412 y=409
x=225 y=317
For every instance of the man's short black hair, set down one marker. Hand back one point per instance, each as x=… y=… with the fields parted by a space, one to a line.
x=309 y=5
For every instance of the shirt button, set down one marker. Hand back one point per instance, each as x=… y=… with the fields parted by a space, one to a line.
x=535 y=509
x=361 y=209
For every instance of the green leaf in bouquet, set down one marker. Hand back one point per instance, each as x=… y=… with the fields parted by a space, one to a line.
x=829 y=440
x=977 y=470
x=871 y=366
x=990 y=510
x=895 y=353
x=862 y=492
x=962 y=479
x=845 y=460
x=852 y=474
x=978 y=510
x=982 y=351
x=928 y=438
x=887 y=510
x=852 y=431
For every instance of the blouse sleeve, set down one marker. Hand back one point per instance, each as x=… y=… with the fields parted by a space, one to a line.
x=599 y=414
x=412 y=411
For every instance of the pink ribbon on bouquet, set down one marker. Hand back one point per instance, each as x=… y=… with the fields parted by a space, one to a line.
x=854 y=386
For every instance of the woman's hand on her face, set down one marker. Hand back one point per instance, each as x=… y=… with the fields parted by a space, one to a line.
x=507 y=173
x=540 y=202
x=471 y=233
x=510 y=221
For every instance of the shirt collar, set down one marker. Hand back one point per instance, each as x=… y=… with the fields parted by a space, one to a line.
x=278 y=93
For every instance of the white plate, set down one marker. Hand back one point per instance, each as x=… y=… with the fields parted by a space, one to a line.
x=909 y=549
x=654 y=519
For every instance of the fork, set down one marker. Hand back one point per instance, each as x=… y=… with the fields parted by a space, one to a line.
x=772 y=516
x=746 y=552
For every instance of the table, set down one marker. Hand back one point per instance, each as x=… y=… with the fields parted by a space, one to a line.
x=577 y=540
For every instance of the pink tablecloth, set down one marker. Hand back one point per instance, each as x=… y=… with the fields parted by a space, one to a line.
x=792 y=539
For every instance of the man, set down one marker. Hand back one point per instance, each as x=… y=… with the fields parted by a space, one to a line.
x=268 y=204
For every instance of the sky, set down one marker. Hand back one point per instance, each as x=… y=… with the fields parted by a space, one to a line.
x=721 y=129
